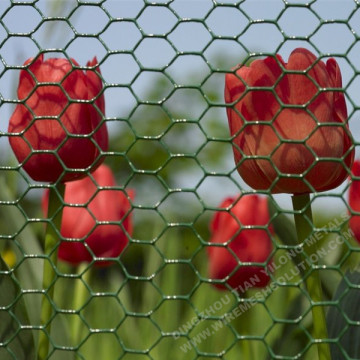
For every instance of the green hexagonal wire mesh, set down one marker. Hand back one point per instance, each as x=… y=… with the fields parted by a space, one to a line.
x=121 y=267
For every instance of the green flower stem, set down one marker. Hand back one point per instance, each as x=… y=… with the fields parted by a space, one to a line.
x=304 y=228
x=56 y=197
x=81 y=295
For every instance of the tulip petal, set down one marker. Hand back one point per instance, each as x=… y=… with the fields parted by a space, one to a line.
x=244 y=244
x=28 y=76
x=90 y=203
x=339 y=98
x=354 y=201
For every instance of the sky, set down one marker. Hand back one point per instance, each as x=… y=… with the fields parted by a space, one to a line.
x=136 y=42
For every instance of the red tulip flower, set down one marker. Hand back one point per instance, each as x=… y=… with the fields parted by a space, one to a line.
x=243 y=228
x=59 y=103
x=290 y=132
x=95 y=214
x=354 y=201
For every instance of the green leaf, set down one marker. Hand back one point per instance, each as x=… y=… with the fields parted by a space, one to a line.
x=29 y=272
x=283 y=226
x=344 y=320
x=16 y=342
x=25 y=243
x=285 y=230
x=286 y=338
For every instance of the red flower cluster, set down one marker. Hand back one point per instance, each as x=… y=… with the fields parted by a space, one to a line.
x=58 y=135
x=246 y=244
x=285 y=133
x=94 y=214
x=58 y=126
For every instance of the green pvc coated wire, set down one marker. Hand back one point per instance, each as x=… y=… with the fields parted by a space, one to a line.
x=158 y=302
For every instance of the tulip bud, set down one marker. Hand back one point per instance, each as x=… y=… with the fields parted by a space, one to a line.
x=290 y=134
x=234 y=226
x=95 y=215
x=56 y=130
